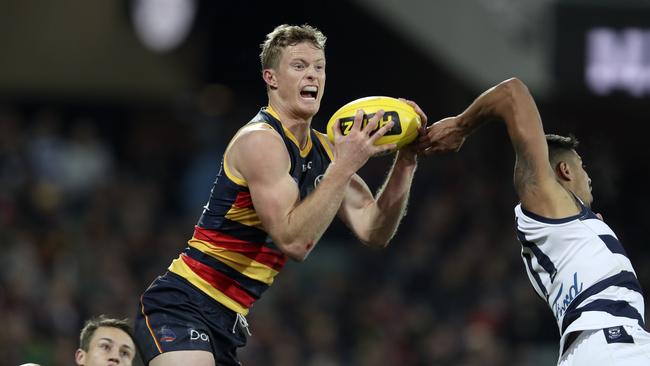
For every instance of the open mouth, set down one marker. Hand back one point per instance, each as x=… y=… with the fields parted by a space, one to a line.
x=309 y=92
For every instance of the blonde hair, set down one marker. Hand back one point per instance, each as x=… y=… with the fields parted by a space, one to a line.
x=288 y=35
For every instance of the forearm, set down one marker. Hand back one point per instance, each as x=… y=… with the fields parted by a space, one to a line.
x=511 y=103
x=486 y=107
x=508 y=101
x=384 y=216
x=307 y=221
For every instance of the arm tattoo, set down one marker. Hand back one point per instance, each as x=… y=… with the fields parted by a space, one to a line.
x=524 y=177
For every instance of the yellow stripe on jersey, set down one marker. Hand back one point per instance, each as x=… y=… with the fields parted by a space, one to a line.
x=244 y=216
x=179 y=267
x=326 y=144
x=303 y=151
x=273 y=112
x=241 y=263
x=238 y=181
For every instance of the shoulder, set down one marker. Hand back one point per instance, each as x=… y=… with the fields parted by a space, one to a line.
x=256 y=145
x=255 y=126
x=253 y=134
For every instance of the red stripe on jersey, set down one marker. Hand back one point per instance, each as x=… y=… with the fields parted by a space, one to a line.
x=220 y=281
x=243 y=200
x=255 y=251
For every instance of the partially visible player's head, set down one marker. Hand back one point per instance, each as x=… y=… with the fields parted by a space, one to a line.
x=105 y=341
x=568 y=166
x=293 y=68
x=288 y=35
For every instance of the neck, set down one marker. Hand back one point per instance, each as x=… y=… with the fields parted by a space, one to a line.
x=299 y=126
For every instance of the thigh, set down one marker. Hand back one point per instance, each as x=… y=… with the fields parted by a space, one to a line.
x=196 y=358
x=621 y=345
x=636 y=352
x=583 y=351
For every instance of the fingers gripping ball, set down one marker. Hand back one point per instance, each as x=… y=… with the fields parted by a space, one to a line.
x=405 y=120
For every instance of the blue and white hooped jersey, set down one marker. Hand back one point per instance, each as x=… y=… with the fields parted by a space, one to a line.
x=578 y=266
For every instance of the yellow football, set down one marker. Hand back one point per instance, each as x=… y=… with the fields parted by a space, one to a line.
x=406 y=120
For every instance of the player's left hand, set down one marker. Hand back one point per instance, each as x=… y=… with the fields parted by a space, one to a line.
x=441 y=137
x=410 y=151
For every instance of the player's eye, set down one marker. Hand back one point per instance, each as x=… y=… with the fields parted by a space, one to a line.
x=125 y=354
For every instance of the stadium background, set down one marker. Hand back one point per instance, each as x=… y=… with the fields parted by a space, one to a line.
x=109 y=145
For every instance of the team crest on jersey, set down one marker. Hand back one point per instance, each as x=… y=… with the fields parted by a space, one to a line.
x=317 y=180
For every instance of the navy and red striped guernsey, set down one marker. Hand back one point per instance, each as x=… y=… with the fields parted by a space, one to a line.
x=230 y=257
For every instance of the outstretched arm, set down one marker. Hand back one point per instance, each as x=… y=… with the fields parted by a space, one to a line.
x=534 y=178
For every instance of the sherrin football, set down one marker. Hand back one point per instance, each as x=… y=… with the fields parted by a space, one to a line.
x=406 y=120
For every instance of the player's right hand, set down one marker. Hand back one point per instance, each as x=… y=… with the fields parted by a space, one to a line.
x=354 y=149
x=443 y=136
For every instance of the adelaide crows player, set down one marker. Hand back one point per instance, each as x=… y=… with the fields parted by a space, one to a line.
x=573 y=259
x=280 y=185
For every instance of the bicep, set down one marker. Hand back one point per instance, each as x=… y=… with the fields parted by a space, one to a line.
x=532 y=171
x=534 y=178
x=266 y=172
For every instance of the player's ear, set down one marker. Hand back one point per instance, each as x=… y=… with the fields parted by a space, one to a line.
x=80 y=356
x=563 y=171
x=269 y=78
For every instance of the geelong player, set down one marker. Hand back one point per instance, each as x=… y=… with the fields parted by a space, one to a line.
x=280 y=185
x=573 y=259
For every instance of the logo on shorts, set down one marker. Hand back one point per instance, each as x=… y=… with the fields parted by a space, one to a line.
x=166 y=335
x=617 y=335
x=614 y=333
x=196 y=335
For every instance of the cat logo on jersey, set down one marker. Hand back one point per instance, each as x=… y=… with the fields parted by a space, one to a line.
x=317 y=180
x=346 y=123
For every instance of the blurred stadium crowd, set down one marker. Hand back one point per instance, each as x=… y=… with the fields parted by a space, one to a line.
x=94 y=203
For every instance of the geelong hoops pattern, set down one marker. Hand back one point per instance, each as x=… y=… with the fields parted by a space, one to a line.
x=579 y=268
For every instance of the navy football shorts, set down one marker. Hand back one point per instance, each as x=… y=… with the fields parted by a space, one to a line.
x=175 y=316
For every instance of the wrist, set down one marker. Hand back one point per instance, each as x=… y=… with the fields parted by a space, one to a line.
x=463 y=123
x=339 y=172
x=406 y=159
